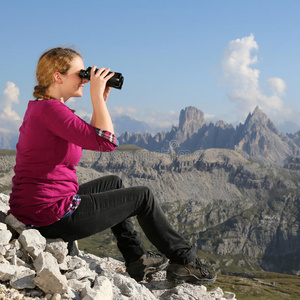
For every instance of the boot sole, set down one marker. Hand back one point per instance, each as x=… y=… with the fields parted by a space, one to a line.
x=179 y=279
x=151 y=270
x=146 y=274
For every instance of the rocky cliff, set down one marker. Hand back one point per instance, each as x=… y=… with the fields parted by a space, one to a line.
x=257 y=138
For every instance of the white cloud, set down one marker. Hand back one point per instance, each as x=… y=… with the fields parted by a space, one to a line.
x=243 y=80
x=129 y=111
x=159 y=120
x=9 y=97
x=276 y=85
x=9 y=119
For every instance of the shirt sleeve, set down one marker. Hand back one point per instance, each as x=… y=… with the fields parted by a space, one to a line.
x=62 y=122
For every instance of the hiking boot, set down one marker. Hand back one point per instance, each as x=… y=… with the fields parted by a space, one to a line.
x=193 y=272
x=149 y=263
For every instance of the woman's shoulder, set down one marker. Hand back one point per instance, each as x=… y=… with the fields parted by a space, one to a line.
x=50 y=105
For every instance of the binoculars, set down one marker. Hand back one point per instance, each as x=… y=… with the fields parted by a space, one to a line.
x=116 y=81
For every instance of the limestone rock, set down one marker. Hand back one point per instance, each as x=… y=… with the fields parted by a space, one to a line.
x=58 y=248
x=5 y=236
x=23 y=279
x=15 y=223
x=49 y=279
x=33 y=242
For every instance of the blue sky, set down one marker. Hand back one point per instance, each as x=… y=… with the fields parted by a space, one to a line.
x=222 y=56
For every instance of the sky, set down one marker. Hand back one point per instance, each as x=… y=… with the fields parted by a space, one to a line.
x=224 y=57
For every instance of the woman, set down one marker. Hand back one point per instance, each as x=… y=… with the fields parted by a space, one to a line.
x=46 y=194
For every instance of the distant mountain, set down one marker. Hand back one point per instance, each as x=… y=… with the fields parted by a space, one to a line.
x=130 y=124
x=8 y=140
x=257 y=138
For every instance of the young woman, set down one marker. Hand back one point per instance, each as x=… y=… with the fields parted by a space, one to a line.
x=46 y=194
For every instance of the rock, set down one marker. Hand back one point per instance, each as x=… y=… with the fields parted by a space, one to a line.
x=49 y=279
x=23 y=279
x=15 y=224
x=7 y=271
x=81 y=273
x=104 y=288
x=228 y=295
x=101 y=291
x=58 y=248
x=33 y=242
x=5 y=236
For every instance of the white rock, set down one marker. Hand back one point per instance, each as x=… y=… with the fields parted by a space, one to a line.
x=7 y=271
x=58 y=248
x=131 y=289
x=77 y=285
x=56 y=297
x=217 y=292
x=23 y=279
x=95 y=294
x=3 y=226
x=5 y=236
x=228 y=295
x=49 y=279
x=75 y=262
x=33 y=242
x=81 y=273
x=15 y=223
x=104 y=287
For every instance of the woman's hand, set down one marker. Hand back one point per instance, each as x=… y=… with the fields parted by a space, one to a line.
x=98 y=81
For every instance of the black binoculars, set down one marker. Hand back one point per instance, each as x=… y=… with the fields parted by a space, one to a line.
x=116 y=81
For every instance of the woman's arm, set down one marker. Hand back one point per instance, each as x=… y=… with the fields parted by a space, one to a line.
x=99 y=93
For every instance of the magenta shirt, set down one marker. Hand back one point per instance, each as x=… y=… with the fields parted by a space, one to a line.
x=49 y=148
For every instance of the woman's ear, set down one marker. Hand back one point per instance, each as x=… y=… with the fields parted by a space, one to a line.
x=57 y=77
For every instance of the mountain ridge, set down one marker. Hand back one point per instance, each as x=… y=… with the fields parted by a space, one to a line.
x=257 y=139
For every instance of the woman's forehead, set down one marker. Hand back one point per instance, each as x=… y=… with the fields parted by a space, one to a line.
x=76 y=64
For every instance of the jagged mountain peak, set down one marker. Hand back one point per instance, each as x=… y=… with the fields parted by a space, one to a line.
x=258 y=120
x=191 y=119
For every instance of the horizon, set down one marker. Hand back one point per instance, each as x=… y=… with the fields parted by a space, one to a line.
x=222 y=58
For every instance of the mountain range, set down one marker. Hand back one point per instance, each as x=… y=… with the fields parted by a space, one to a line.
x=257 y=138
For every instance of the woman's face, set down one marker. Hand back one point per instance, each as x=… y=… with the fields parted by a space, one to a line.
x=72 y=83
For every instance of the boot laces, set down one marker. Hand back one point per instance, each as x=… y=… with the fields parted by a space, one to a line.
x=198 y=265
x=152 y=254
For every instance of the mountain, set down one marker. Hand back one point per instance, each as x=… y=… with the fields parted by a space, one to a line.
x=8 y=140
x=130 y=124
x=257 y=138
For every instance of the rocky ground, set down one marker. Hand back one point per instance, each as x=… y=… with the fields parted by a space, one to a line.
x=32 y=267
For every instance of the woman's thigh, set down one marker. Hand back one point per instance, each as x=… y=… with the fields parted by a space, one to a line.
x=102 y=184
x=98 y=212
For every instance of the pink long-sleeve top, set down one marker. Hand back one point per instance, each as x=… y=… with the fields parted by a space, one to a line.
x=49 y=148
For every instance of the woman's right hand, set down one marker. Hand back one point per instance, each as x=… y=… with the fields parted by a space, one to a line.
x=98 y=81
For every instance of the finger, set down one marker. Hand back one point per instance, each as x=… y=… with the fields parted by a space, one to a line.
x=100 y=72
x=110 y=75
x=93 y=69
x=105 y=72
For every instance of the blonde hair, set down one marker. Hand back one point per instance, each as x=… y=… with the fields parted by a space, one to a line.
x=54 y=60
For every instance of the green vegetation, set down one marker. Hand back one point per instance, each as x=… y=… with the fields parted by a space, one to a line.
x=7 y=152
x=129 y=148
x=260 y=286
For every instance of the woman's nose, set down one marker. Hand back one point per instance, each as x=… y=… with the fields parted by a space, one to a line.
x=84 y=80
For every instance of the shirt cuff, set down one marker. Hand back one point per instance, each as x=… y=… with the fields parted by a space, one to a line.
x=107 y=135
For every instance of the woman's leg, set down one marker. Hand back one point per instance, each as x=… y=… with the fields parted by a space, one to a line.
x=110 y=209
x=127 y=240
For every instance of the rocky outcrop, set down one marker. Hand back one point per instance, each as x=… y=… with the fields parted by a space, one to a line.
x=257 y=138
x=32 y=267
